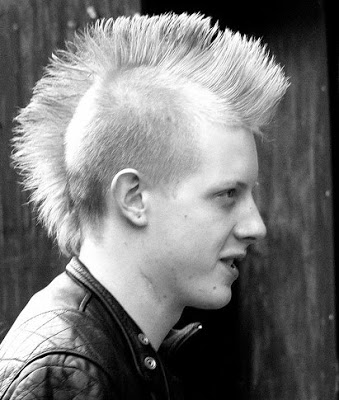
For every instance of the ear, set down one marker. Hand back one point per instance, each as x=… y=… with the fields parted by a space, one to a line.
x=128 y=190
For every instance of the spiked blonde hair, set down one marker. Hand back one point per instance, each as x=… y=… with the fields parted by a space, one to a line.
x=126 y=93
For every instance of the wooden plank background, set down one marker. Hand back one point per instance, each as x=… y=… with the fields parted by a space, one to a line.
x=29 y=31
x=288 y=288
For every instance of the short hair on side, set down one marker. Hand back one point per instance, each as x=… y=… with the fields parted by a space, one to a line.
x=127 y=93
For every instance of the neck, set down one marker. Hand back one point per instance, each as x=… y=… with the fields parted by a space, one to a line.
x=154 y=311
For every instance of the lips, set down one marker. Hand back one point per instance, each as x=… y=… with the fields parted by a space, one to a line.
x=229 y=263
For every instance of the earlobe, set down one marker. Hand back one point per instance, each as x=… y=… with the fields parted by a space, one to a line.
x=128 y=191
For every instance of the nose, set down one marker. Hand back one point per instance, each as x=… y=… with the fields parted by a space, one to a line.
x=250 y=227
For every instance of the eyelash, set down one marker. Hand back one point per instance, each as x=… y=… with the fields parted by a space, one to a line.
x=229 y=193
x=230 y=197
x=233 y=193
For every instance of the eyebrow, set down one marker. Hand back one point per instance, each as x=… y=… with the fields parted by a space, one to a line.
x=223 y=185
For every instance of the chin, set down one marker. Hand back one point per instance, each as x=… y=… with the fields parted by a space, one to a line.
x=217 y=301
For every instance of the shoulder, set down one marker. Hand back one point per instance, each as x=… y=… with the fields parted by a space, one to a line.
x=62 y=376
x=68 y=333
x=57 y=344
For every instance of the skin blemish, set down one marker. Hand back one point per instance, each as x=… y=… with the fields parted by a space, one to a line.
x=214 y=287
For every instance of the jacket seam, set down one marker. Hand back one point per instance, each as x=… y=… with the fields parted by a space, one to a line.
x=58 y=366
x=55 y=352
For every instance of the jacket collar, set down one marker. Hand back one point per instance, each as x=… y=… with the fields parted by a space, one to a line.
x=146 y=359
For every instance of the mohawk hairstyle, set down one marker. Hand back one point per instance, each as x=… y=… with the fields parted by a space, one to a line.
x=100 y=104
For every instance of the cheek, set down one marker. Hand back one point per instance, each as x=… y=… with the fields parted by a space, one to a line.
x=195 y=235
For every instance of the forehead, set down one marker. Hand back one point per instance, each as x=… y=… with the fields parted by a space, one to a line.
x=227 y=153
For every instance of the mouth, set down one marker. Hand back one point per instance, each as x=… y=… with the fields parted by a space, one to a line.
x=231 y=266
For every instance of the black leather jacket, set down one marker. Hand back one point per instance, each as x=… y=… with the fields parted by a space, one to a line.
x=74 y=340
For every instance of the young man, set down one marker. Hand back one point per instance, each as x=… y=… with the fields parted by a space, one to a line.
x=138 y=146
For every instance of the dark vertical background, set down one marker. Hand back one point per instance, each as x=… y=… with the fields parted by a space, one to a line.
x=276 y=340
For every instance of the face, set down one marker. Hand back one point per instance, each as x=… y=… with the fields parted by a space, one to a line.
x=208 y=221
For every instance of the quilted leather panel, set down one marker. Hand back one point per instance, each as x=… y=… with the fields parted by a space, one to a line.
x=61 y=377
x=64 y=332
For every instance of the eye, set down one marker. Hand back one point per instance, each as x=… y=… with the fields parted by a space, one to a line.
x=229 y=193
x=228 y=197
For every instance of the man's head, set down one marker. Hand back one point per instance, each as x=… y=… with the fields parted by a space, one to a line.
x=193 y=236
x=133 y=93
